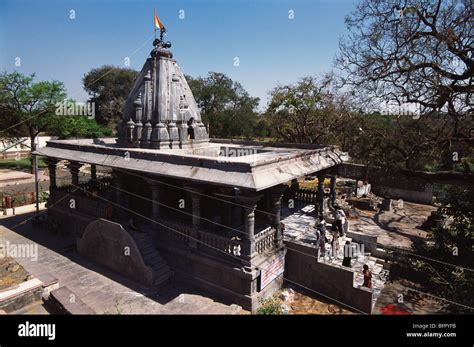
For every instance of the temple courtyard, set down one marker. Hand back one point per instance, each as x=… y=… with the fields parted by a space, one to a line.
x=107 y=292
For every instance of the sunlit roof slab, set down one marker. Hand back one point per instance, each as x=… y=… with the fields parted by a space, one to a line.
x=254 y=166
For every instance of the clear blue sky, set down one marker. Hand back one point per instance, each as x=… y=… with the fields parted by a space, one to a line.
x=271 y=47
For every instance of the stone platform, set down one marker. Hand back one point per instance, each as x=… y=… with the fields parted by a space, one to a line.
x=102 y=290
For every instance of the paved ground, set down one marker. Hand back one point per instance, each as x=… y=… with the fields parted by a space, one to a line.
x=104 y=291
x=304 y=302
x=109 y=293
x=402 y=297
x=393 y=229
x=14 y=177
x=11 y=273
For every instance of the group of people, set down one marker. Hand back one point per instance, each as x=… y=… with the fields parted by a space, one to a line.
x=337 y=230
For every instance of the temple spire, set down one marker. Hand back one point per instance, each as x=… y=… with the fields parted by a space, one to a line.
x=160 y=111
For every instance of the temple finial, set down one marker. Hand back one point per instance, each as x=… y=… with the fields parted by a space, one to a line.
x=160 y=43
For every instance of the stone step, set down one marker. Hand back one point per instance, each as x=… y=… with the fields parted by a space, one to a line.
x=158 y=266
x=64 y=301
x=147 y=252
x=140 y=236
x=145 y=245
x=161 y=271
x=159 y=280
x=152 y=258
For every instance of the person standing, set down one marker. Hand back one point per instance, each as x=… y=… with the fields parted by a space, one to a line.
x=335 y=241
x=317 y=235
x=347 y=255
x=322 y=238
x=340 y=220
x=367 y=276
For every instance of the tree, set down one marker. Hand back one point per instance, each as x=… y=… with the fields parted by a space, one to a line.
x=418 y=53
x=108 y=87
x=451 y=243
x=29 y=107
x=311 y=111
x=80 y=127
x=225 y=105
x=399 y=141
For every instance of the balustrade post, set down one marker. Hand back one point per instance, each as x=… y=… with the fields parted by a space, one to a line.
x=156 y=191
x=276 y=194
x=249 y=202
x=53 y=185
x=74 y=168
x=195 y=193
x=94 y=173
x=121 y=197
x=332 y=193
x=320 y=194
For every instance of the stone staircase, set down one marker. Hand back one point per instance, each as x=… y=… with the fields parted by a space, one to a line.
x=152 y=258
x=379 y=274
x=297 y=224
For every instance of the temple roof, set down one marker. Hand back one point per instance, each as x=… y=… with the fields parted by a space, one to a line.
x=253 y=167
x=162 y=134
x=160 y=111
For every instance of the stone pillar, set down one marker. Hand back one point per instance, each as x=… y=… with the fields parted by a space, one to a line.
x=93 y=172
x=52 y=174
x=249 y=202
x=121 y=197
x=276 y=193
x=293 y=189
x=320 y=194
x=137 y=136
x=147 y=101
x=333 y=190
x=196 y=208
x=226 y=197
x=74 y=168
x=156 y=191
x=196 y=197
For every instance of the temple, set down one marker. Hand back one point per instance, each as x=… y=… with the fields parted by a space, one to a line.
x=185 y=207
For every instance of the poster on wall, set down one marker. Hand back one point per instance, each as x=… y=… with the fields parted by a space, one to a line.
x=272 y=270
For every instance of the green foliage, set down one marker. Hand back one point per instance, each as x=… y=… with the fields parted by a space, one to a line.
x=310 y=111
x=28 y=108
x=225 y=105
x=22 y=164
x=79 y=126
x=32 y=105
x=109 y=87
x=270 y=306
x=43 y=196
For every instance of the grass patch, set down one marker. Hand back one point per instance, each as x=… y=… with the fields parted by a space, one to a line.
x=22 y=164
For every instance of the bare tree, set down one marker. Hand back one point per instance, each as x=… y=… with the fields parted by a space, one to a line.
x=311 y=111
x=415 y=52
x=412 y=51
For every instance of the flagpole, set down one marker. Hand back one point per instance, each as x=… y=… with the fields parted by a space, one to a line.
x=154 y=26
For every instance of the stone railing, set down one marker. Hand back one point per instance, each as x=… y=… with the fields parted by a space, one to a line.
x=264 y=240
x=96 y=208
x=306 y=195
x=232 y=246
x=175 y=230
